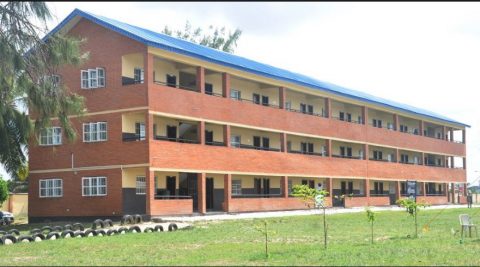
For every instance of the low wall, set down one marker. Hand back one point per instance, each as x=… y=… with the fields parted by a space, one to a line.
x=435 y=200
x=366 y=201
x=171 y=207
x=268 y=204
x=17 y=204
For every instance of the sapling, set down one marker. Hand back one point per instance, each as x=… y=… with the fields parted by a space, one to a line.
x=370 y=218
x=412 y=208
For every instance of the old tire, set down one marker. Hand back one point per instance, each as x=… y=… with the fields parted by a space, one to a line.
x=98 y=224
x=148 y=230
x=78 y=234
x=112 y=232
x=53 y=236
x=37 y=237
x=158 y=228
x=58 y=228
x=46 y=229
x=122 y=230
x=107 y=223
x=172 y=227
x=138 y=218
x=134 y=229
x=8 y=239
x=13 y=231
x=68 y=227
x=25 y=239
x=90 y=232
x=68 y=234
x=77 y=226
x=100 y=232
x=127 y=219
x=35 y=230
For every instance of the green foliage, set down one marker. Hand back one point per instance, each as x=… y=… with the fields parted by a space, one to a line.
x=216 y=38
x=371 y=218
x=308 y=194
x=412 y=207
x=3 y=190
x=26 y=63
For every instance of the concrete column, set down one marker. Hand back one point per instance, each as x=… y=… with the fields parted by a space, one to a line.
x=421 y=125
x=365 y=115
x=397 y=155
x=464 y=163
x=451 y=135
x=444 y=133
x=150 y=190
x=10 y=203
x=201 y=193
x=367 y=189
x=365 y=152
x=226 y=135
x=424 y=188
x=328 y=107
x=200 y=79
x=423 y=159
x=329 y=147
x=284 y=185
x=464 y=136
x=201 y=132
x=329 y=187
x=149 y=134
x=282 y=97
x=395 y=122
x=148 y=68
x=283 y=142
x=227 y=192
x=226 y=85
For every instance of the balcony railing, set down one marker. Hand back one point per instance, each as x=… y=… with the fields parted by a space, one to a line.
x=214 y=143
x=409 y=162
x=213 y=94
x=384 y=160
x=391 y=128
x=255 y=147
x=435 y=194
x=307 y=153
x=255 y=102
x=347 y=157
x=308 y=113
x=177 y=86
x=434 y=165
x=380 y=194
x=172 y=197
x=179 y=140
x=127 y=137
x=129 y=81
x=257 y=196
x=345 y=120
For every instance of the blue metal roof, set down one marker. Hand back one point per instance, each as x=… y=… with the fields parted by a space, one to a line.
x=183 y=47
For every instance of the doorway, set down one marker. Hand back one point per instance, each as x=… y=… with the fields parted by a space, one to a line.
x=392 y=192
x=188 y=187
x=209 y=193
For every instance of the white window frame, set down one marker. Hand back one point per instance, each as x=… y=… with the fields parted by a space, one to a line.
x=54 y=134
x=138 y=78
x=141 y=186
x=92 y=78
x=236 y=94
x=94 y=132
x=236 y=187
x=50 y=186
x=97 y=186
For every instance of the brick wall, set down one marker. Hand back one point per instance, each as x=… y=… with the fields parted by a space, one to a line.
x=171 y=207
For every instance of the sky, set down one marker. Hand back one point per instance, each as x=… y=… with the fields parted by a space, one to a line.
x=422 y=54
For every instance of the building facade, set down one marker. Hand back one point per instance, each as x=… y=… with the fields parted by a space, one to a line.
x=171 y=131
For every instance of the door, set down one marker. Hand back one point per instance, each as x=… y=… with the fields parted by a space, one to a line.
x=266 y=142
x=264 y=100
x=192 y=189
x=209 y=193
x=266 y=186
x=172 y=132
x=392 y=192
x=257 y=183
x=256 y=141
x=256 y=98
x=208 y=89
x=171 y=185
x=208 y=137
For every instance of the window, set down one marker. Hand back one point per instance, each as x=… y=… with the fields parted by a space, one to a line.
x=138 y=75
x=236 y=187
x=341 y=116
x=310 y=109
x=415 y=159
x=235 y=141
x=51 y=136
x=288 y=105
x=349 y=117
x=404 y=158
x=140 y=130
x=51 y=188
x=93 y=78
x=94 y=131
x=377 y=123
x=94 y=186
x=256 y=98
x=171 y=80
x=390 y=126
x=303 y=108
x=53 y=79
x=377 y=155
x=404 y=128
x=265 y=100
x=235 y=94
x=141 y=185
x=208 y=89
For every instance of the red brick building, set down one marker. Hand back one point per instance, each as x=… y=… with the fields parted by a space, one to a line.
x=177 y=128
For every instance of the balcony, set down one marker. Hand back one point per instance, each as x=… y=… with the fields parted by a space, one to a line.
x=306 y=145
x=347 y=150
x=306 y=104
x=133 y=126
x=347 y=112
x=254 y=139
x=174 y=130
x=384 y=154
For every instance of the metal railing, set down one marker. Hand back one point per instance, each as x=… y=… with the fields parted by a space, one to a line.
x=179 y=140
x=383 y=127
x=256 y=147
x=213 y=94
x=409 y=162
x=129 y=137
x=257 y=196
x=177 y=86
x=384 y=160
x=255 y=102
x=172 y=197
x=379 y=194
x=214 y=143
x=348 y=157
x=345 y=120
x=434 y=165
x=307 y=153
x=306 y=112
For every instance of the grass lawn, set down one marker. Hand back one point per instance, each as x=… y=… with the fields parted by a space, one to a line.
x=297 y=241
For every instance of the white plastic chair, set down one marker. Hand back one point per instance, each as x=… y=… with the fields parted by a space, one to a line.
x=466 y=222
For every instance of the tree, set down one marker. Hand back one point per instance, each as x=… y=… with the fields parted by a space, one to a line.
x=313 y=198
x=412 y=208
x=27 y=66
x=370 y=218
x=216 y=37
x=3 y=190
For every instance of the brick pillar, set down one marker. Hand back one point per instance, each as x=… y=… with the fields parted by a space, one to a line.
x=201 y=193
x=451 y=135
x=200 y=82
x=367 y=190
x=423 y=159
x=446 y=161
x=149 y=134
x=396 y=122
x=397 y=190
x=201 y=132
x=227 y=192
x=329 y=147
x=226 y=135
x=283 y=142
x=282 y=97
x=421 y=127
x=226 y=85
x=148 y=68
x=10 y=203
x=464 y=163
x=464 y=136
x=365 y=115
x=365 y=152
x=328 y=107
x=284 y=185
x=397 y=155
x=444 y=133
x=424 y=188
x=329 y=187
x=150 y=190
